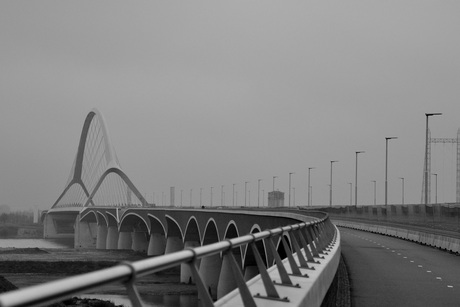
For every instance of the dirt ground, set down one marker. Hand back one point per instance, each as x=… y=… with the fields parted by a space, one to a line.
x=28 y=267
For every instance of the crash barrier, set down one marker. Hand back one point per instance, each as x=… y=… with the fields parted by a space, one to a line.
x=435 y=240
x=314 y=248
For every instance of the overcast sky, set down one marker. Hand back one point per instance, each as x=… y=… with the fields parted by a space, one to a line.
x=211 y=93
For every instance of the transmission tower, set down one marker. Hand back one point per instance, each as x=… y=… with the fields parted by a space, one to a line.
x=428 y=164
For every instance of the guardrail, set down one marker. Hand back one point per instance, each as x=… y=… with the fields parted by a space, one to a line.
x=308 y=241
x=423 y=237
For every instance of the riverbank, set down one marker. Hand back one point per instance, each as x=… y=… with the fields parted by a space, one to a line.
x=33 y=266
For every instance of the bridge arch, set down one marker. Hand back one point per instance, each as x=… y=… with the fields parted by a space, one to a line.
x=192 y=231
x=250 y=268
x=94 y=161
x=157 y=240
x=192 y=238
x=174 y=235
x=211 y=265
x=134 y=222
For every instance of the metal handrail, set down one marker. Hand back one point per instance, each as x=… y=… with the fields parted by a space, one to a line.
x=317 y=235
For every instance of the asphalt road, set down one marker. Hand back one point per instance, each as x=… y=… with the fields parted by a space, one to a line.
x=386 y=271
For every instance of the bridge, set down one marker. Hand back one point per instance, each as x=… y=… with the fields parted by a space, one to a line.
x=235 y=256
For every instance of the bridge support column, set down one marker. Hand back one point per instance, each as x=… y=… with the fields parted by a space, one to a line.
x=250 y=271
x=140 y=243
x=226 y=280
x=210 y=271
x=185 y=273
x=85 y=233
x=173 y=244
x=112 y=238
x=157 y=245
x=125 y=240
x=101 y=239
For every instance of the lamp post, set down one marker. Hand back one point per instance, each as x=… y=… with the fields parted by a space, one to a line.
x=263 y=198
x=290 y=189
x=426 y=155
x=245 y=191
x=436 y=188
x=330 y=186
x=293 y=191
x=309 y=187
x=375 y=191
x=351 y=192
x=211 y=196
x=201 y=198
x=190 y=197
x=356 y=178
x=221 y=195
x=402 y=191
x=386 y=167
x=233 y=195
x=258 y=192
x=181 y=198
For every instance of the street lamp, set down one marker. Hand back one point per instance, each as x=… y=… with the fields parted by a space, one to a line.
x=309 y=187
x=351 y=192
x=375 y=191
x=245 y=191
x=356 y=179
x=402 y=181
x=426 y=155
x=233 y=195
x=330 y=186
x=201 y=198
x=191 y=197
x=436 y=188
x=290 y=189
x=211 y=196
x=221 y=195
x=293 y=191
x=386 y=167
x=258 y=192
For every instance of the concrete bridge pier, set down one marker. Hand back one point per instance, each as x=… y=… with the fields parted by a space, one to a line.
x=85 y=234
x=125 y=240
x=210 y=270
x=140 y=243
x=173 y=244
x=185 y=272
x=112 y=238
x=157 y=244
x=101 y=239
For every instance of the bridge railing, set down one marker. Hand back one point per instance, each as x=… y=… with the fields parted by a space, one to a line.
x=308 y=240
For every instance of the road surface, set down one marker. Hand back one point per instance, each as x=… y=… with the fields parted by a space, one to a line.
x=386 y=271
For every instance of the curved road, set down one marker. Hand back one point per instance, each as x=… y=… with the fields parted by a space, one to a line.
x=386 y=271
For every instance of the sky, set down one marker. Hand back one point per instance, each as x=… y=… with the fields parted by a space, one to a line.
x=210 y=93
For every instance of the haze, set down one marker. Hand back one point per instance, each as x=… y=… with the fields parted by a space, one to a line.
x=203 y=94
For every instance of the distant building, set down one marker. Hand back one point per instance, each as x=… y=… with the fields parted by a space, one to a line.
x=276 y=199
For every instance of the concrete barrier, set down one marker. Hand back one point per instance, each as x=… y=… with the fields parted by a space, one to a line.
x=439 y=241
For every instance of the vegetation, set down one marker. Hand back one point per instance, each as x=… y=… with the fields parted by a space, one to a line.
x=19 y=224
